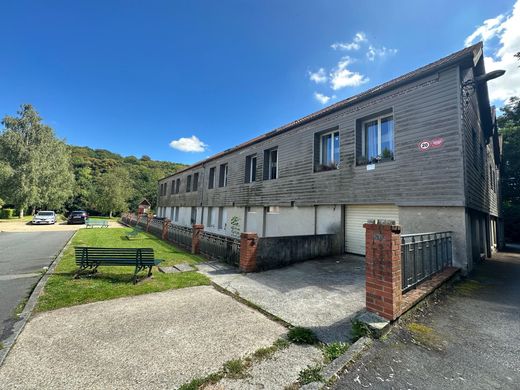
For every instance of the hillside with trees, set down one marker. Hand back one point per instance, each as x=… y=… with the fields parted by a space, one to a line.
x=107 y=181
x=40 y=171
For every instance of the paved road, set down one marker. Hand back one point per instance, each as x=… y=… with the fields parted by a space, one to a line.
x=469 y=339
x=22 y=257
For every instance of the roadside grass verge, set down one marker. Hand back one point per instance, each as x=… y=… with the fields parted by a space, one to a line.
x=62 y=290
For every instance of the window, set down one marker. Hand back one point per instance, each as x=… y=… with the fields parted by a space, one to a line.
x=188 y=183
x=326 y=151
x=250 y=169
x=195 y=181
x=377 y=139
x=193 y=218
x=223 y=176
x=177 y=186
x=271 y=164
x=210 y=217
x=176 y=214
x=221 y=213
x=172 y=190
x=211 y=181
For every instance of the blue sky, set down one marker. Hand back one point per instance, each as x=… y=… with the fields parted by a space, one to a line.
x=133 y=76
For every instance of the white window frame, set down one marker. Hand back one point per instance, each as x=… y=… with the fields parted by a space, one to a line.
x=225 y=180
x=252 y=177
x=322 y=136
x=270 y=162
x=379 y=119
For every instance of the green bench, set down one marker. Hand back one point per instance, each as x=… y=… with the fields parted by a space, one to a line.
x=91 y=258
x=134 y=233
x=96 y=222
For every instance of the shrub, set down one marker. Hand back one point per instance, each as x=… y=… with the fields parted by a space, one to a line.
x=8 y=213
x=301 y=335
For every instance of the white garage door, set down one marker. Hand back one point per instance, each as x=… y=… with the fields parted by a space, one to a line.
x=357 y=215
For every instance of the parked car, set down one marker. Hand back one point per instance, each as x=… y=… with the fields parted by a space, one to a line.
x=78 y=216
x=44 y=218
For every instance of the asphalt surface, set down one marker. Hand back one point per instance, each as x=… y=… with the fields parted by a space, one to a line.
x=22 y=258
x=466 y=339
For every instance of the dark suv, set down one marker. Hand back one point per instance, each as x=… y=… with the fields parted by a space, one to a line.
x=77 y=217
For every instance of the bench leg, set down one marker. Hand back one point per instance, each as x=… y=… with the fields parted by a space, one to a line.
x=137 y=269
x=78 y=272
x=150 y=270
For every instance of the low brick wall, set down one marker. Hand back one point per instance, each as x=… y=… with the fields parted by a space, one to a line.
x=276 y=252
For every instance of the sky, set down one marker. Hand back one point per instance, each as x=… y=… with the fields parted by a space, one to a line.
x=182 y=80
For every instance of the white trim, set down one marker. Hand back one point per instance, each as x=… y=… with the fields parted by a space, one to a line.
x=378 y=120
x=331 y=133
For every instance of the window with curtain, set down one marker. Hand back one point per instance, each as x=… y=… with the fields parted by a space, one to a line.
x=378 y=139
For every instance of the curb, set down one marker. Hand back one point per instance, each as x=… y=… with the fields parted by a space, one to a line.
x=331 y=371
x=31 y=303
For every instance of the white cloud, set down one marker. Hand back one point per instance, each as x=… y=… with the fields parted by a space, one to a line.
x=191 y=144
x=503 y=34
x=488 y=30
x=323 y=99
x=318 y=77
x=359 y=38
x=381 y=52
x=342 y=77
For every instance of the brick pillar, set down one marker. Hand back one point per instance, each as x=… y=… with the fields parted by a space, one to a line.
x=383 y=269
x=195 y=238
x=248 y=244
x=165 y=225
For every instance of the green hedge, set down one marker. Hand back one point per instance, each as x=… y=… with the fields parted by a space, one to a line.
x=8 y=213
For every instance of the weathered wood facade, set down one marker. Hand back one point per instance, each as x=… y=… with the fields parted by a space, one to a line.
x=427 y=104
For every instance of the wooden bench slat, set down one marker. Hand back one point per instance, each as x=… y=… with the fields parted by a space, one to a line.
x=93 y=257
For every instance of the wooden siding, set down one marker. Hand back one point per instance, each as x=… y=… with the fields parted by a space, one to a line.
x=478 y=187
x=424 y=109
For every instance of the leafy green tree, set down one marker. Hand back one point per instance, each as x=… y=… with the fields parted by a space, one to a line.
x=509 y=124
x=111 y=191
x=38 y=163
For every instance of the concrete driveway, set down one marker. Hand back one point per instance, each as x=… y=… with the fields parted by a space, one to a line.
x=470 y=339
x=323 y=295
x=152 y=341
x=22 y=258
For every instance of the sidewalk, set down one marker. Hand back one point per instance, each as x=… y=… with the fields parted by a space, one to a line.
x=470 y=339
x=152 y=341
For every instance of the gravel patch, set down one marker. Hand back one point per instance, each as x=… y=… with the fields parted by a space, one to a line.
x=152 y=341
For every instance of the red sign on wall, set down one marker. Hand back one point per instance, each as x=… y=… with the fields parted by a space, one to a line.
x=431 y=144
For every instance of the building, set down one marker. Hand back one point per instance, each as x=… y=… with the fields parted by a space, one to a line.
x=143 y=207
x=422 y=150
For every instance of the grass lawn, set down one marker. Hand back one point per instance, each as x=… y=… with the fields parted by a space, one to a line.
x=63 y=290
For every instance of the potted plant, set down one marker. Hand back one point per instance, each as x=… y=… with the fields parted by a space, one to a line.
x=387 y=155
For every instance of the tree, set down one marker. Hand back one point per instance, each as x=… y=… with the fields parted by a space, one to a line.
x=112 y=190
x=509 y=124
x=38 y=162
